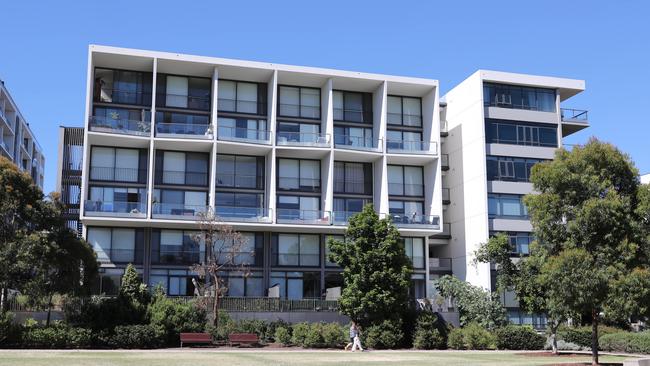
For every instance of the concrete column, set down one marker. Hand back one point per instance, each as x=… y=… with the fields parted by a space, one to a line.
x=151 y=167
x=213 y=155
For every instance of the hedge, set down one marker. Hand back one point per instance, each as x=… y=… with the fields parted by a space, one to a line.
x=582 y=335
x=514 y=337
x=386 y=335
x=626 y=342
x=473 y=337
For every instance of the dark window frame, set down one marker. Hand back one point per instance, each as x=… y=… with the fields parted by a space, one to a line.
x=317 y=189
x=161 y=83
x=419 y=127
x=366 y=111
x=262 y=100
x=320 y=107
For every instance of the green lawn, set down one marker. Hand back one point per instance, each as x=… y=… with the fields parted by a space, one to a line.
x=198 y=357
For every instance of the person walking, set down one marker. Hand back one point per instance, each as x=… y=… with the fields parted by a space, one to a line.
x=353 y=333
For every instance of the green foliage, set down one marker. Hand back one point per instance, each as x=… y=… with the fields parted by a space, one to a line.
x=475 y=305
x=582 y=335
x=626 y=342
x=515 y=337
x=100 y=313
x=136 y=336
x=334 y=335
x=385 y=335
x=473 y=336
x=376 y=270
x=132 y=287
x=10 y=333
x=57 y=336
x=283 y=336
x=173 y=318
x=430 y=332
x=299 y=333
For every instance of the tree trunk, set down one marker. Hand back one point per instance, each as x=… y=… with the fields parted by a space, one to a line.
x=594 y=337
x=4 y=300
x=49 y=311
x=215 y=303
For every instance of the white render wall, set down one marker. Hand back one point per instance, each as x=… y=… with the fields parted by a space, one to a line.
x=645 y=179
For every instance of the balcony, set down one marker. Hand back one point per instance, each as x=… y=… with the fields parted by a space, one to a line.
x=184 y=130
x=411 y=147
x=5 y=149
x=342 y=217
x=444 y=130
x=444 y=162
x=178 y=211
x=356 y=143
x=195 y=102
x=111 y=174
x=122 y=96
x=298 y=184
x=573 y=120
x=115 y=209
x=302 y=139
x=446 y=199
x=416 y=221
x=241 y=106
x=240 y=181
x=302 y=217
x=251 y=136
x=410 y=190
x=119 y=255
x=177 y=257
x=299 y=111
x=120 y=126
x=244 y=214
x=180 y=177
x=446 y=232
x=352 y=115
x=437 y=265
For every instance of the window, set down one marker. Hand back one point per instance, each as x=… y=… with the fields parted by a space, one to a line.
x=117 y=200
x=506 y=205
x=354 y=137
x=238 y=204
x=176 y=247
x=242 y=129
x=519 y=97
x=405 y=180
x=300 y=175
x=296 y=250
x=238 y=171
x=405 y=209
x=118 y=165
x=404 y=140
x=114 y=115
x=344 y=208
x=249 y=252
x=242 y=97
x=117 y=245
x=175 y=282
x=180 y=168
x=507 y=132
x=297 y=207
x=415 y=251
x=406 y=111
x=504 y=168
x=352 y=106
x=184 y=92
x=179 y=202
x=519 y=241
x=182 y=123
x=122 y=87
x=297 y=285
x=290 y=132
x=244 y=285
x=353 y=178
x=299 y=102
x=418 y=286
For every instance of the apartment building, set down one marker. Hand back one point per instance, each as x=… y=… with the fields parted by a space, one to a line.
x=18 y=142
x=285 y=154
x=497 y=125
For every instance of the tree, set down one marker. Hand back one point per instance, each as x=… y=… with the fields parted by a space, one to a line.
x=226 y=250
x=590 y=218
x=376 y=270
x=475 y=305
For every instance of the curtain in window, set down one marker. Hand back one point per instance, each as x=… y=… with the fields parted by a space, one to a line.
x=173 y=167
x=338 y=105
x=309 y=174
x=289 y=101
x=309 y=250
x=354 y=178
x=227 y=95
x=394 y=106
x=123 y=245
x=247 y=98
x=100 y=240
x=289 y=173
x=102 y=163
x=309 y=103
x=177 y=91
x=127 y=162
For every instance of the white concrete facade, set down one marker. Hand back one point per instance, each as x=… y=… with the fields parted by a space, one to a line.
x=645 y=179
x=18 y=142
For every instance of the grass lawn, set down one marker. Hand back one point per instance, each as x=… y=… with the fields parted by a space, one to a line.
x=200 y=357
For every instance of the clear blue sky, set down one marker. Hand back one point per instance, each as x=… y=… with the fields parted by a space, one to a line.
x=44 y=48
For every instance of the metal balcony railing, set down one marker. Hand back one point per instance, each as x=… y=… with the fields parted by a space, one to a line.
x=119 y=209
x=254 y=136
x=574 y=115
x=112 y=174
x=197 y=102
x=439 y=264
x=305 y=217
x=415 y=220
x=284 y=138
x=299 y=184
x=120 y=126
x=183 y=130
x=411 y=147
x=243 y=214
x=241 y=106
x=356 y=142
x=401 y=189
x=178 y=211
x=269 y=304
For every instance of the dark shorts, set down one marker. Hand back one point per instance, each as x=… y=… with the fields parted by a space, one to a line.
x=351 y=339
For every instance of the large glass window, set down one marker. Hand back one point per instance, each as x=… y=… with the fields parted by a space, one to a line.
x=405 y=209
x=175 y=282
x=242 y=97
x=184 y=92
x=293 y=132
x=296 y=250
x=517 y=133
x=352 y=106
x=122 y=87
x=244 y=284
x=117 y=199
x=242 y=129
x=406 y=111
x=117 y=245
x=301 y=175
x=118 y=165
x=504 y=168
x=352 y=178
x=353 y=137
x=239 y=171
x=405 y=180
x=176 y=247
x=506 y=205
x=239 y=204
x=181 y=168
x=297 y=285
x=404 y=140
x=519 y=241
x=519 y=97
x=179 y=202
x=299 y=102
x=415 y=251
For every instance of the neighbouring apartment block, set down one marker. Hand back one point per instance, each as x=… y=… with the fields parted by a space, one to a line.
x=286 y=154
x=18 y=142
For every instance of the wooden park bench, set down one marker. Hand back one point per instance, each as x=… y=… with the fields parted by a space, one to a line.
x=243 y=338
x=204 y=338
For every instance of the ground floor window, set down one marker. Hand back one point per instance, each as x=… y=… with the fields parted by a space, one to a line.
x=297 y=285
x=175 y=282
x=518 y=317
x=418 y=286
x=244 y=284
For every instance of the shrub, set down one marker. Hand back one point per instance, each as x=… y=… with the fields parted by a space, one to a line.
x=57 y=336
x=299 y=333
x=430 y=332
x=314 y=336
x=564 y=346
x=100 y=313
x=173 y=318
x=221 y=332
x=282 y=335
x=10 y=332
x=136 y=336
x=334 y=335
x=472 y=336
x=272 y=326
x=582 y=335
x=626 y=342
x=385 y=335
x=516 y=337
